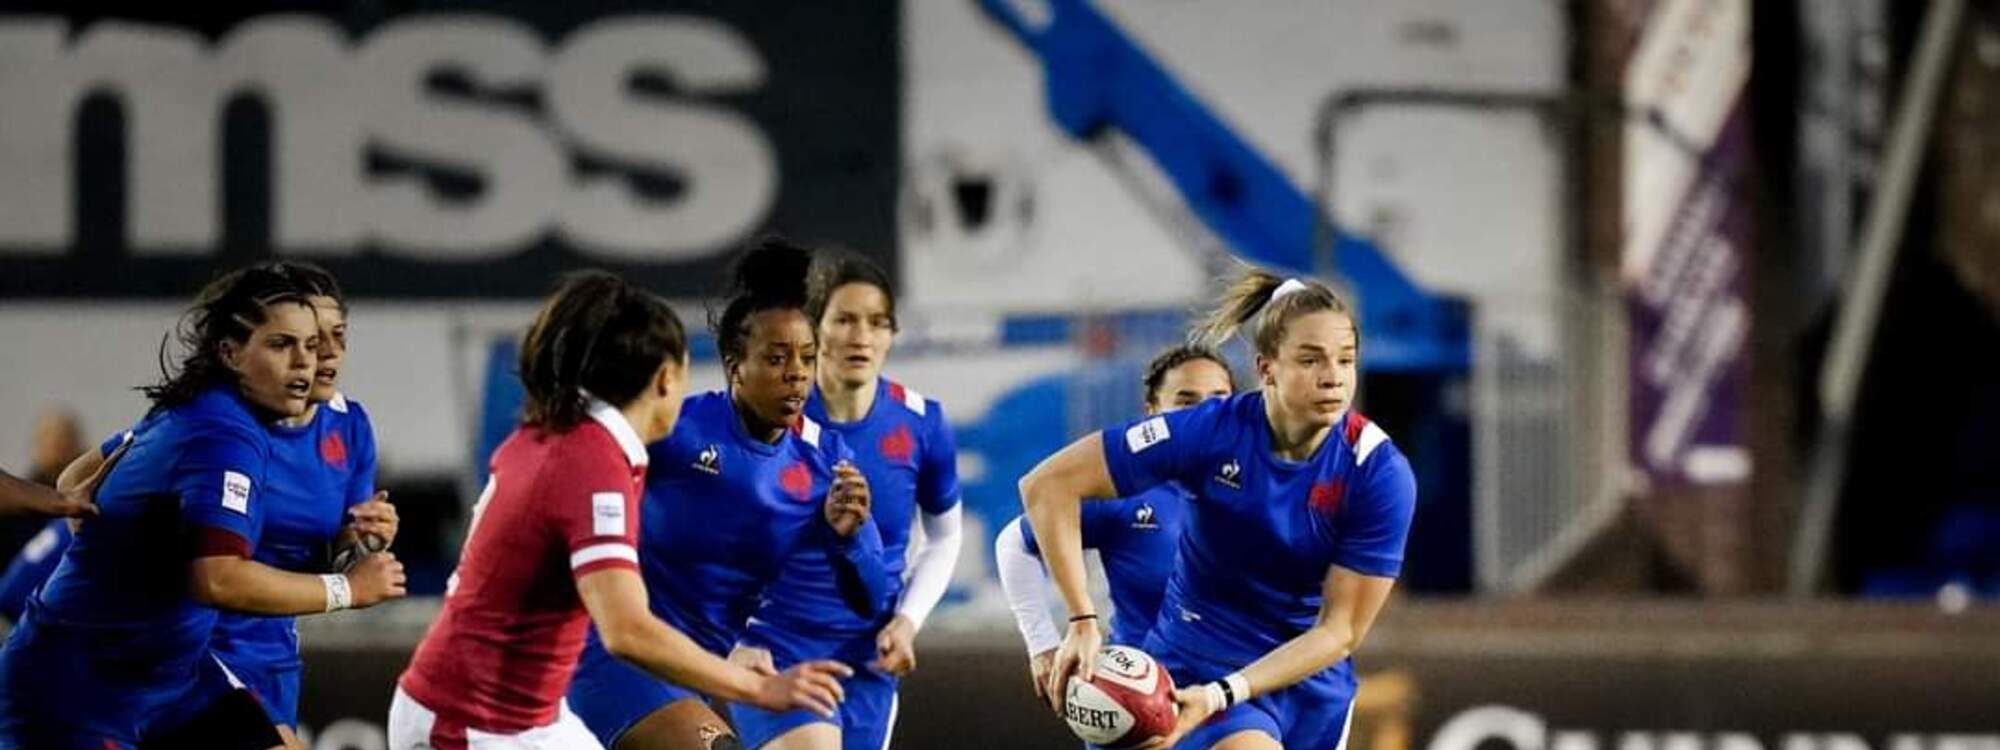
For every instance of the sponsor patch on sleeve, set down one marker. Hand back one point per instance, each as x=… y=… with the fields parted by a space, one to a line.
x=236 y=492
x=607 y=514
x=1146 y=434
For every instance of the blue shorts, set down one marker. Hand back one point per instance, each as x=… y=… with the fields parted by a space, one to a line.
x=1310 y=715
x=62 y=689
x=865 y=718
x=276 y=685
x=610 y=695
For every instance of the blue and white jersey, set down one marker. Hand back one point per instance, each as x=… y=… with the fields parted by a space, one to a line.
x=317 y=471
x=905 y=449
x=1262 y=531
x=1136 y=539
x=723 y=510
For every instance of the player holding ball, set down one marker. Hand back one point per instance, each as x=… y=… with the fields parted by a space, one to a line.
x=1295 y=534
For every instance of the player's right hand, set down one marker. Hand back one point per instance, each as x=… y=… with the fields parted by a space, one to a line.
x=813 y=686
x=377 y=578
x=1077 y=656
x=848 y=501
x=1038 y=672
x=1191 y=708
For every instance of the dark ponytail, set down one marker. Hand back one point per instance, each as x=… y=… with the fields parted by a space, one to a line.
x=596 y=335
x=228 y=309
x=770 y=275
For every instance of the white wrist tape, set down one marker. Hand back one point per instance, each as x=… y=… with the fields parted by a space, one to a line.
x=1237 y=686
x=339 y=595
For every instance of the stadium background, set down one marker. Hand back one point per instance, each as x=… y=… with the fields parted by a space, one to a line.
x=1628 y=248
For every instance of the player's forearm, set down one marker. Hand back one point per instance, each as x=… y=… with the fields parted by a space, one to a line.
x=1057 y=517
x=1349 y=603
x=20 y=496
x=930 y=572
x=242 y=585
x=1027 y=589
x=669 y=654
x=1317 y=648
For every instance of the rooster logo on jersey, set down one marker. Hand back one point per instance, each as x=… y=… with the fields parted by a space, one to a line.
x=710 y=460
x=1230 y=475
x=333 y=450
x=898 y=446
x=1142 y=518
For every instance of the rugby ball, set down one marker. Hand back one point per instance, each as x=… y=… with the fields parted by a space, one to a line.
x=1128 y=701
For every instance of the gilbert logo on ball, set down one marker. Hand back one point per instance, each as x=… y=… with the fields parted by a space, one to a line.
x=1129 y=700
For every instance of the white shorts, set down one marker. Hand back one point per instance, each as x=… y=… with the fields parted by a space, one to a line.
x=414 y=727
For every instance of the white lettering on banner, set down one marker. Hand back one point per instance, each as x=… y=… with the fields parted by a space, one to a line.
x=330 y=102
x=1520 y=730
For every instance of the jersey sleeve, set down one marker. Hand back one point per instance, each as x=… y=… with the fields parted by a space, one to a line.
x=1371 y=527
x=937 y=469
x=860 y=573
x=361 y=435
x=1161 y=448
x=219 y=480
x=591 y=503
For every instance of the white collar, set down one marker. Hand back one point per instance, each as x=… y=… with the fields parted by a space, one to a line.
x=620 y=429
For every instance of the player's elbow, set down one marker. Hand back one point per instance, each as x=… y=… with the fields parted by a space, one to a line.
x=1035 y=487
x=624 y=635
x=211 y=581
x=1339 y=640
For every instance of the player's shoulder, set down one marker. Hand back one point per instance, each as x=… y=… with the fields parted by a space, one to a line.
x=1375 y=460
x=908 y=402
x=815 y=441
x=348 y=410
x=1207 y=425
x=587 y=447
x=1366 y=441
x=705 y=415
x=217 y=412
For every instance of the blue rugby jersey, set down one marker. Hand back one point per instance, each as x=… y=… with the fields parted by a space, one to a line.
x=723 y=510
x=905 y=448
x=1262 y=531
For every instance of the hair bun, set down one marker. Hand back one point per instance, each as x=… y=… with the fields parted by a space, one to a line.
x=774 y=269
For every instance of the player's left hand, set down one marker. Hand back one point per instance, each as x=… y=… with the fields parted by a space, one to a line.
x=80 y=502
x=847 y=503
x=375 y=518
x=1192 y=708
x=896 y=647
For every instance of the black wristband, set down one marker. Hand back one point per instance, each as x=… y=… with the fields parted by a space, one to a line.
x=1081 y=618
